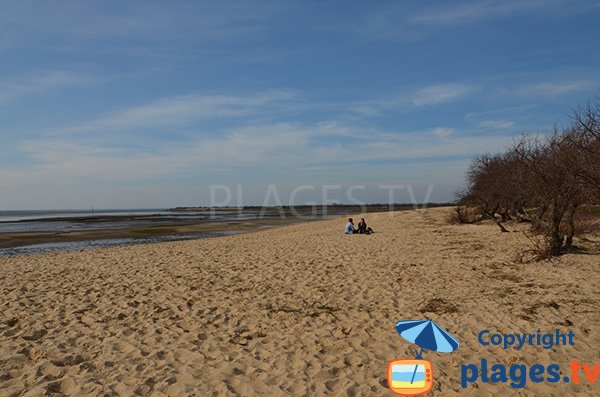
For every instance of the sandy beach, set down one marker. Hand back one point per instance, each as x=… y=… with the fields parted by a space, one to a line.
x=301 y=310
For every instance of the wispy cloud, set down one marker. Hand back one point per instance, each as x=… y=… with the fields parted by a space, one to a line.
x=474 y=11
x=496 y=124
x=402 y=21
x=443 y=132
x=274 y=146
x=427 y=96
x=20 y=23
x=442 y=93
x=500 y=119
x=41 y=83
x=184 y=109
x=556 y=89
x=86 y=158
x=82 y=169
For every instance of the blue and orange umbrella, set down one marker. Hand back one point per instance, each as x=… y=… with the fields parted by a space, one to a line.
x=427 y=335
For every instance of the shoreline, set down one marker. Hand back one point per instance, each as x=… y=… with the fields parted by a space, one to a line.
x=28 y=242
x=157 y=228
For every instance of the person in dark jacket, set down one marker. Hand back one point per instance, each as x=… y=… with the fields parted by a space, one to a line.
x=363 y=228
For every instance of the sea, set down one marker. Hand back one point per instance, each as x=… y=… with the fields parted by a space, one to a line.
x=83 y=220
x=64 y=221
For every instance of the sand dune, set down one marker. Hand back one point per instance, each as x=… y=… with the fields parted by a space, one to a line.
x=301 y=310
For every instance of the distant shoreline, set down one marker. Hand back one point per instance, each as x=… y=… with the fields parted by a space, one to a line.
x=378 y=207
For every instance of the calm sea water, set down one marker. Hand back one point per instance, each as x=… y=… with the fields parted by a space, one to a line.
x=11 y=216
x=78 y=220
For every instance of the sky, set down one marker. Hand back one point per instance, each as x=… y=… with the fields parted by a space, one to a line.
x=148 y=104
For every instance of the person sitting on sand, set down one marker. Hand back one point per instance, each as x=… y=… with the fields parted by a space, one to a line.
x=349 y=228
x=363 y=228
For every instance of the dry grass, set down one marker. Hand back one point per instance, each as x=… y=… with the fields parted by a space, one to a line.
x=464 y=215
x=539 y=248
x=586 y=222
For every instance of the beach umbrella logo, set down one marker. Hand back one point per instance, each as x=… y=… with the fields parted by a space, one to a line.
x=411 y=377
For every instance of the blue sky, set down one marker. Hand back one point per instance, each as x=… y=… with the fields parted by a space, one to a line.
x=147 y=104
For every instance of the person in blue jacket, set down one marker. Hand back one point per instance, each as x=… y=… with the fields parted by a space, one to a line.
x=349 y=228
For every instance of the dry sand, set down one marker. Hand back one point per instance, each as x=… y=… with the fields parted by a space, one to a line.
x=294 y=311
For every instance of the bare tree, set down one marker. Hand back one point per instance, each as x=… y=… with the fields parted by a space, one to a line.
x=552 y=174
x=586 y=136
x=553 y=163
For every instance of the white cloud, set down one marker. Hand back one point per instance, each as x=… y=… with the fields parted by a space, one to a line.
x=469 y=12
x=496 y=124
x=503 y=111
x=184 y=109
x=441 y=93
x=270 y=148
x=62 y=160
x=54 y=23
x=555 y=89
x=40 y=83
x=401 y=20
x=501 y=119
x=443 y=132
x=426 y=96
x=82 y=170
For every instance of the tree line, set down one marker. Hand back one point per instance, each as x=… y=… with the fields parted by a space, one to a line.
x=542 y=179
